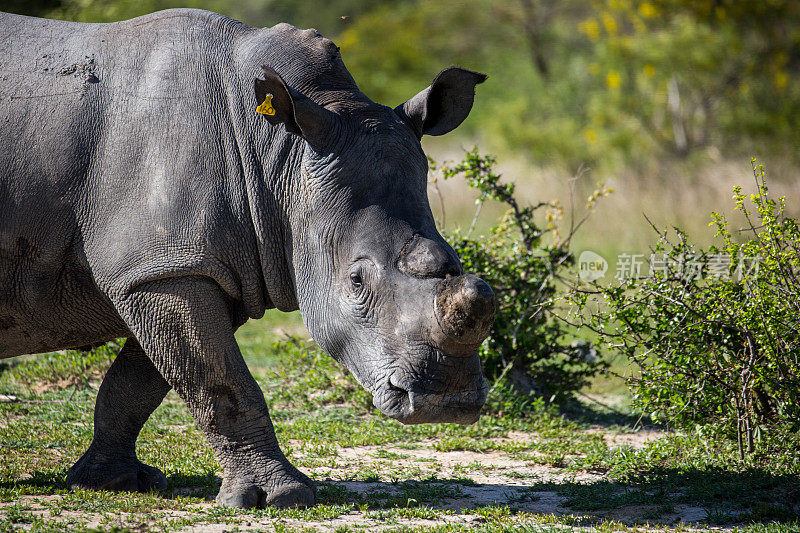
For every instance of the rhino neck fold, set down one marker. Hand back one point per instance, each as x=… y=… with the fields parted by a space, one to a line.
x=271 y=158
x=270 y=162
x=271 y=194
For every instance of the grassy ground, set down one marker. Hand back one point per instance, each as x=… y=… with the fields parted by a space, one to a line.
x=588 y=469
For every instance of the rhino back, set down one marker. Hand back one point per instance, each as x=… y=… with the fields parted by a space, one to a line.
x=119 y=164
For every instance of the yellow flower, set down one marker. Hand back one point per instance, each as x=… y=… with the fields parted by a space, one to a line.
x=647 y=10
x=590 y=135
x=609 y=23
x=591 y=29
x=780 y=79
x=649 y=70
x=613 y=79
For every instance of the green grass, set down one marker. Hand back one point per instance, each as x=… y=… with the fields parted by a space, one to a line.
x=397 y=477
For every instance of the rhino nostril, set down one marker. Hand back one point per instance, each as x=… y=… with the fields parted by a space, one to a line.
x=453 y=269
x=402 y=393
x=392 y=386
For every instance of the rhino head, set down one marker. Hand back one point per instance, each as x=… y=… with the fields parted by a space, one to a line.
x=378 y=287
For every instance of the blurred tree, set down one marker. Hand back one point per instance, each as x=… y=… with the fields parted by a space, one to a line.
x=605 y=83
x=693 y=73
x=640 y=81
x=396 y=49
x=329 y=17
x=114 y=10
x=536 y=18
x=35 y=8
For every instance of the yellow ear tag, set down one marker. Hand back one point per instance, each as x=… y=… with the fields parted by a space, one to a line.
x=266 y=106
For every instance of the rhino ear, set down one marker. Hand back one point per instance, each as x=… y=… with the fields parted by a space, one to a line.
x=280 y=104
x=440 y=108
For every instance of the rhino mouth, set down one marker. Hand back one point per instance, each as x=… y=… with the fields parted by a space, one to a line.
x=411 y=404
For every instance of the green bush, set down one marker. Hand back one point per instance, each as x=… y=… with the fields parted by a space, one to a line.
x=715 y=332
x=527 y=343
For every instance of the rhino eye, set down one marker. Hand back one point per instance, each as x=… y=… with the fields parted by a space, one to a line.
x=355 y=280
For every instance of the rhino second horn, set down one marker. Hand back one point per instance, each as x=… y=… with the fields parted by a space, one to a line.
x=465 y=308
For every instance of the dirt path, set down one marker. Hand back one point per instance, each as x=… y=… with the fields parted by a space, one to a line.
x=498 y=480
x=387 y=487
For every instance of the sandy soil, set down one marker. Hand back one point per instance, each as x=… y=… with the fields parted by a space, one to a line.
x=497 y=479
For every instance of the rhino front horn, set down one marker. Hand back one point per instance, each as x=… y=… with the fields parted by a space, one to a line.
x=465 y=308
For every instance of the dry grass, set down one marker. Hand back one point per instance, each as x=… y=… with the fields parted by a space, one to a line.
x=670 y=194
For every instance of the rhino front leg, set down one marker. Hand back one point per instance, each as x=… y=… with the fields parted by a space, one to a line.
x=186 y=328
x=130 y=392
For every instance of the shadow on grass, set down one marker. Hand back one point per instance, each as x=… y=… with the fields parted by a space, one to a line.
x=664 y=497
x=598 y=415
x=750 y=496
x=203 y=486
x=49 y=482
x=657 y=496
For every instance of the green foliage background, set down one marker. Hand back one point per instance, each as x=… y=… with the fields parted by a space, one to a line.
x=609 y=83
x=612 y=84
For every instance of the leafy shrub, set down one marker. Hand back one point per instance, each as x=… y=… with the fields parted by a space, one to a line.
x=715 y=332
x=527 y=343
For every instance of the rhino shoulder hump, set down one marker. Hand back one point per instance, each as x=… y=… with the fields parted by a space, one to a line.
x=310 y=39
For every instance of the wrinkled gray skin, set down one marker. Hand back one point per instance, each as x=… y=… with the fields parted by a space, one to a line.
x=142 y=196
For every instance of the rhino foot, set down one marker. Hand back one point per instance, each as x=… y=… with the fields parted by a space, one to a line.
x=119 y=474
x=291 y=495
